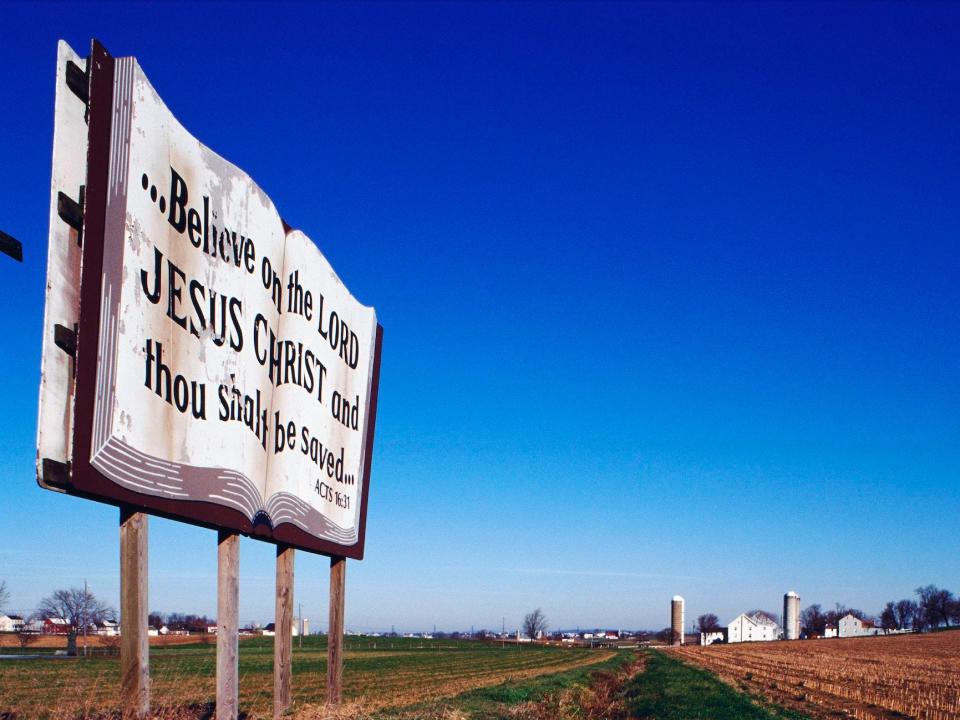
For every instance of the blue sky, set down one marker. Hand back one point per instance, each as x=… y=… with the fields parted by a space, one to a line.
x=670 y=296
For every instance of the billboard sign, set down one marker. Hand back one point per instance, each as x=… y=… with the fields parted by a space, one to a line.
x=224 y=373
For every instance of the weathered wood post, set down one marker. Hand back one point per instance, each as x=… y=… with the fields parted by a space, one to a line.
x=338 y=575
x=228 y=632
x=283 y=639
x=134 y=642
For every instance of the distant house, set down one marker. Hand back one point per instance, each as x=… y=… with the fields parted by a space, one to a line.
x=270 y=630
x=830 y=631
x=10 y=623
x=852 y=626
x=211 y=629
x=752 y=628
x=107 y=628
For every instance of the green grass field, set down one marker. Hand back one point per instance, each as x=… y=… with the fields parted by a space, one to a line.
x=380 y=673
x=668 y=689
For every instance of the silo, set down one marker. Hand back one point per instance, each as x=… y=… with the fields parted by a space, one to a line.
x=676 y=620
x=791 y=616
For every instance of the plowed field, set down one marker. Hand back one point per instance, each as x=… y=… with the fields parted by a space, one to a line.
x=899 y=676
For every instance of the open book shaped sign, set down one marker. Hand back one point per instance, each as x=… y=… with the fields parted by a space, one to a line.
x=211 y=367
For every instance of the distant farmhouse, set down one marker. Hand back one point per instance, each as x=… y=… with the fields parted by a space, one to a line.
x=852 y=626
x=10 y=623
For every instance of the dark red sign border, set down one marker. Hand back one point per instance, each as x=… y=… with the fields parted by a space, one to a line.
x=85 y=480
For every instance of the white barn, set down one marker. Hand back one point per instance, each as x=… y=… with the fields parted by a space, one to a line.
x=752 y=628
x=852 y=626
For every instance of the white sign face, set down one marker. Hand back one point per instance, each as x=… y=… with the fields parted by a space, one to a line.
x=234 y=368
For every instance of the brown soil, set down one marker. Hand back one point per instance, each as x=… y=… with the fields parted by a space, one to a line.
x=10 y=640
x=873 y=678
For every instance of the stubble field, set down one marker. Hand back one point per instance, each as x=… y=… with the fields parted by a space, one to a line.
x=915 y=676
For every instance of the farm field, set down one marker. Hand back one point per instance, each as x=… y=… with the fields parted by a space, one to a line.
x=379 y=673
x=914 y=676
x=59 y=642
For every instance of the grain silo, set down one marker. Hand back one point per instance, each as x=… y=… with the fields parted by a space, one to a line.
x=676 y=620
x=791 y=616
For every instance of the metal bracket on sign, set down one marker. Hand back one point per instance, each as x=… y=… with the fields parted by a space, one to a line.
x=65 y=339
x=71 y=212
x=79 y=83
x=56 y=473
x=11 y=246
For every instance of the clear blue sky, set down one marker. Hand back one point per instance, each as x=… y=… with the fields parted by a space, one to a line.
x=670 y=296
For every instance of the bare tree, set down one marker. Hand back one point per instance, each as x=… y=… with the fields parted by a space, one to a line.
x=111 y=644
x=921 y=620
x=534 y=623
x=813 y=620
x=764 y=614
x=906 y=611
x=936 y=604
x=708 y=623
x=78 y=606
x=888 y=618
x=26 y=636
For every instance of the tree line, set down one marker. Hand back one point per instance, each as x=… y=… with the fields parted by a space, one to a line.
x=180 y=622
x=931 y=608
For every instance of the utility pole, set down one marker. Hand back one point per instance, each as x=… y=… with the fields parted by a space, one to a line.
x=86 y=606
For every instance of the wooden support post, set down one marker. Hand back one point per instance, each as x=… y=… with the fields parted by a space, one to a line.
x=228 y=635
x=283 y=639
x=134 y=642
x=338 y=575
